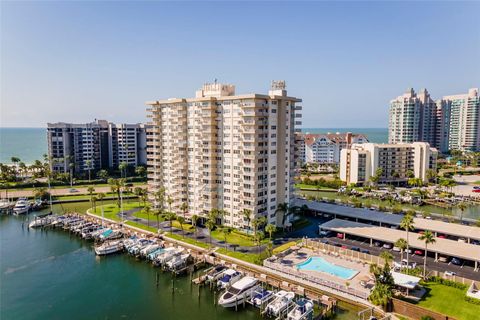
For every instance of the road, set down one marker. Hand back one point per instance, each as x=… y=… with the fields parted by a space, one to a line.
x=12 y=193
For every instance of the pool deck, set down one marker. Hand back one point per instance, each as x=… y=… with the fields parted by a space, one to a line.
x=290 y=261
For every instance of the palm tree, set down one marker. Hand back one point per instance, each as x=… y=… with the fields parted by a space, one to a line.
x=407 y=225
x=270 y=228
x=170 y=216
x=194 y=224
x=123 y=169
x=184 y=209
x=225 y=232
x=103 y=174
x=90 y=191
x=147 y=208
x=100 y=197
x=210 y=224
x=462 y=208
x=247 y=216
x=386 y=256
x=94 y=203
x=402 y=245
x=169 y=201
x=158 y=212
x=88 y=163
x=15 y=160
x=181 y=220
x=256 y=224
x=428 y=238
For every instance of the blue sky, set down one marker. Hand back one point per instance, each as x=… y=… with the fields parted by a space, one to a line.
x=76 y=61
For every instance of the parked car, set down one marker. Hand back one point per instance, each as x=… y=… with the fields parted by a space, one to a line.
x=377 y=244
x=73 y=190
x=457 y=261
x=443 y=259
x=387 y=245
x=325 y=233
x=344 y=247
x=441 y=236
x=450 y=273
x=418 y=252
x=410 y=265
x=337 y=244
x=325 y=241
x=476 y=188
x=462 y=240
x=340 y=235
x=365 y=251
x=355 y=249
x=396 y=249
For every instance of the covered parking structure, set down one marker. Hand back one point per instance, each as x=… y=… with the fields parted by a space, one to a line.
x=441 y=246
x=392 y=220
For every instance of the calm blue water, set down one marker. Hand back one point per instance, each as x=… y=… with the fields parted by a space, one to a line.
x=29 y=144
x=376 y=135
x=321 y=265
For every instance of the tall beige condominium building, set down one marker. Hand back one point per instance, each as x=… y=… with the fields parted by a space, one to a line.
x=361 y=161
x=224 y=151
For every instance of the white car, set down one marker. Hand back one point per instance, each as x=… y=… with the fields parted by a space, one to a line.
x=396 y=249
x=387 y=246
x=450 y=273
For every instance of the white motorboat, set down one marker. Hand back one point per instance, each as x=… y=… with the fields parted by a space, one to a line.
x=5 y=204
x=109 y=247
x=149 y=249
x=178 y=261
x=167 y=255
x=228 y=278
x=303 y=310
x=261 y=296
x=41 y=221
x=216 y=272
x=239 y=292
x=21 y=206
x=281 y=301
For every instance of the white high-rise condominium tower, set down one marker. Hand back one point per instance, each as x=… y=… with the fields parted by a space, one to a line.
x=224 y=151
x=452 y=123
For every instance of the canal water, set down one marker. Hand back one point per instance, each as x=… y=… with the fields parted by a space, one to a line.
x=52 y=275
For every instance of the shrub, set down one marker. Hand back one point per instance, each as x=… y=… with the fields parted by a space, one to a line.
x=447 y=282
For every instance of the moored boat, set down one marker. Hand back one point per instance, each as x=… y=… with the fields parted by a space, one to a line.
x=280 y=303
x=238 y=292
x=109 y=247
x=303 y=310
x=229 y=277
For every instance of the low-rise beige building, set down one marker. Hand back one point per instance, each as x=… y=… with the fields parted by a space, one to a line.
x=361 y=161
x=224 y=151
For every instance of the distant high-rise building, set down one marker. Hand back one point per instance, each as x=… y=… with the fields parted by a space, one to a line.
x=447 y=124
x=464 y=120
x=94 y=146
x=224 y=151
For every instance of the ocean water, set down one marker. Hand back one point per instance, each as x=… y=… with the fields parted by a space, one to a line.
x=29 y=144
x=375 y=135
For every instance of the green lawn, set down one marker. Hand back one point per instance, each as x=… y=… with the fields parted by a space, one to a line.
x=248 y=257
x=235 y=238
x=310 y=187
x=187 y=240
x=477 y=182
x=87 y=196
x=450 y=301
x=284 y=247
x=141 y=226
x=110 y=211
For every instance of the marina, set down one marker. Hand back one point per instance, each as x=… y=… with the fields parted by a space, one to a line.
x=149 y=249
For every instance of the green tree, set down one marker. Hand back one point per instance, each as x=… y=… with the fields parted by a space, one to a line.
x=181 y=221
x=247 y=216
x=103 y=174
x=41 y=193
x=94 y=203
x=140 y=171
x=184 y=209
x=170 y=216
x=270 y=228
x=225 y=232
x=408 y=225
x=90 y=191
x=402 y=245
x=194 y=224
x=428 y=238
x=100 y=197
x=386 y=256
x=123 y=169
x=88 y=164
x=462 y=206
x=147 y=209
x=210 y=224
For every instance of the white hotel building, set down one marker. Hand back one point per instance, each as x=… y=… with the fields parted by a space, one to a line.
x=326 y=148
x=224 y=151
x=360 y=162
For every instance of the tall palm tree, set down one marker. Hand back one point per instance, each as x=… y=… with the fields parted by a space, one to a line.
x=184 y=209
x=100 y=197
x=170 y=216
x=94 y=203
x=407 y=225
x=462 y=208
x=402 y=245
x=148 y=209
x=88 y=163
x=247 y=216
x=210 y=224
x=181 y=220
x=123 y=169
x=90 y=191
x=194 y=224
x=270 y=228
x=386 y=256
x=428 y=238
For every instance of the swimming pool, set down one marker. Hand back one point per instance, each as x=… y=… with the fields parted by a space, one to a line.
x=320 y=264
